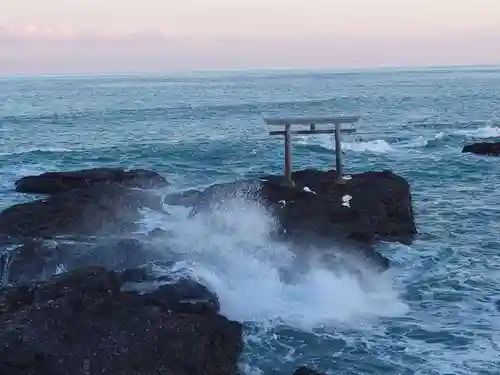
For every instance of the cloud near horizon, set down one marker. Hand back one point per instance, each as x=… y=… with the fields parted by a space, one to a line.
x=30 y=48
x=30 y=32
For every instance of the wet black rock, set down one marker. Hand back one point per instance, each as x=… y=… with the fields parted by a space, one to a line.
x=97 y=210
x=85 y=323
x=307 y=371
x=57 y=182
x=184 y=295
x=135 y=275
x=366 y=207
x=184 y=198
x=38 y=259
x=483 y=148
x=115 y=255
x=30 y=261
x=352 y=215
x=159 y=233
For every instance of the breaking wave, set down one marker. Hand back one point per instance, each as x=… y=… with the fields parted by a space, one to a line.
x=485 y=132
x=422 y=141
x=232 y=252
x=378 y=146
x=36 y=149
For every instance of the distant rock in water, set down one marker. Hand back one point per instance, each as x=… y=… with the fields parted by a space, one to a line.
x=365 y=207
x=57 y=182
x=484 y=148
x=306 y=371
x=84 y=322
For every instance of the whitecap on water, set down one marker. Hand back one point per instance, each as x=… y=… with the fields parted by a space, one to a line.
x=422 y=141
x=484 y=132
x=231 y=251
x=378 y=146
x=28 y=150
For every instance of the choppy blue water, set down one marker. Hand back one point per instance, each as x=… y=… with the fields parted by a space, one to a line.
x=432 y=313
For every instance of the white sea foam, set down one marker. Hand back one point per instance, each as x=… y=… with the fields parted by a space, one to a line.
x=377 y=146
x=422 y=141
x=231 y=251
x=380 y=146
x=484 y=132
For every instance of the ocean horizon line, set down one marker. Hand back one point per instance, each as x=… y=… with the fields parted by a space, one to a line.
x=248 y=71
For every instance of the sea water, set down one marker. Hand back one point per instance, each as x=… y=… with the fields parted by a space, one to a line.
x=433 y=312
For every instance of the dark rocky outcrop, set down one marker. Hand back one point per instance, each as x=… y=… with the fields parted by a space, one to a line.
x=367 y=207
x=307 y=371
x=30 y=261
x=86 y=323
x=483 y=148
x=185 y=198
x=115 y=319
x=57 y=182
x=115 y=255
x=100 y=209
x=353 y=215
x=38 y=259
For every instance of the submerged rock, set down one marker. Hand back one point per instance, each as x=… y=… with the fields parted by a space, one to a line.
x=100 y=209
x=84 y=323
x=57 y=182
x=378 y=204
x=483 y=148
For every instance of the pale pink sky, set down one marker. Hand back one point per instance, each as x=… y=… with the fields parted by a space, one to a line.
x=153 y=35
